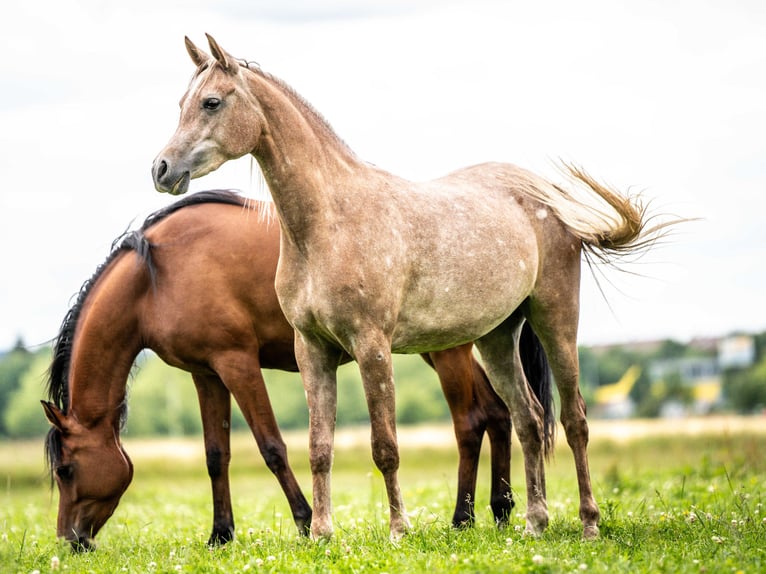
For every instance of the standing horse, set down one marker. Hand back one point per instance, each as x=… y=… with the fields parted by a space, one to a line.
x=371 y=264
x=196 y=285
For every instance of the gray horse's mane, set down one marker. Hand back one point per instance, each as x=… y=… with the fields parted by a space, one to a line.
x=302 y=103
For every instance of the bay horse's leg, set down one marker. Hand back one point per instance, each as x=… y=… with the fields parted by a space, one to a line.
x=500 y=351
x=244 y=379
x=373 y=355
x=475 y=407
x=498 y=426
x=556 y=326
x=318 y=363
x=215 y=408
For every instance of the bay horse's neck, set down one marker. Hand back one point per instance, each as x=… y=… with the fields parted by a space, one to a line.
x=105 y=345
x=302 y=159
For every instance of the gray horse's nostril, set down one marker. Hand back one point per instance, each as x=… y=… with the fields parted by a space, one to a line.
x=162 y=169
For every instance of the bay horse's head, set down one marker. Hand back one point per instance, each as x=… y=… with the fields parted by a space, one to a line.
x=219 y=121
x=92 y=471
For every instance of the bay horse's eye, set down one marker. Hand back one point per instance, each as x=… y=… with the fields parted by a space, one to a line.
x=65 y=472
x=211 y=103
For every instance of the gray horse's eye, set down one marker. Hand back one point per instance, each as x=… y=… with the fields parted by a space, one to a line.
x=211 y=103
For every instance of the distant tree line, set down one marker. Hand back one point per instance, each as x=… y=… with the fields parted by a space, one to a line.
x=162 y=400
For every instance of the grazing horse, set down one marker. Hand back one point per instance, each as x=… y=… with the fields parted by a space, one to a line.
x=371 y=264
x=196 y=284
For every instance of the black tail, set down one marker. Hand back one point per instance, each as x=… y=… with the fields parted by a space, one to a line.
x=538 y=373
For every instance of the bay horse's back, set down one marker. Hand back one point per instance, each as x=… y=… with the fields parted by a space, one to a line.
x=201 y=276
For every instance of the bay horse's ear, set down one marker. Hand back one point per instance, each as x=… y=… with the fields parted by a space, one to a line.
x=198 y=56
x=55 y=415
x=223 y=58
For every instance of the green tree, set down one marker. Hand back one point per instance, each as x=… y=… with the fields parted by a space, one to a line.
x=745 y=389
x=23 y=416
x=419 y=395
x=162 y=400
x=12 y=367
x=287 y=399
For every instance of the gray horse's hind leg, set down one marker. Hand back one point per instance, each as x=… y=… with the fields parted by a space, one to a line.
x=556 y=327
x=500 y=351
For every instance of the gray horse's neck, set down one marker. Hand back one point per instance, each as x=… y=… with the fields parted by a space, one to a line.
x=302 y=159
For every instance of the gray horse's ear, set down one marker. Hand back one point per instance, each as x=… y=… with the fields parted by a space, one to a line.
x=55 y=415
x=223 y=58
x=198 y=56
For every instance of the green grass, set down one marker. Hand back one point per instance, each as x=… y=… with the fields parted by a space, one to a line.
x=669 y=503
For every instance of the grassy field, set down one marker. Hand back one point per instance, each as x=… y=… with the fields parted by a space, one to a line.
x=680 y=496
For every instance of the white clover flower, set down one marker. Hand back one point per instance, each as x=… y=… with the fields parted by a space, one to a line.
x=178 y=567
x=692 y=518
x=537 y=559
x=55 y=563
x=583 y=566
x=271 y=558
x=453 y=557
x=508 y=541
x=258 y=562
x=717 y=539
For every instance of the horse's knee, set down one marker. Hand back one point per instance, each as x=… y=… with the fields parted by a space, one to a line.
x=469 y=438
x=576 y=430
x=274 y=455
x=320 y=458
x=530 y=433
x=216 y=461
x=385 y=454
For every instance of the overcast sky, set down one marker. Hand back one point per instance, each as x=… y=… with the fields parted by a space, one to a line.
x=664 y=97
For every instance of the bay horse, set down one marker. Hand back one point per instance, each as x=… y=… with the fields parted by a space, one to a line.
x=195 y=284
x=371 y=263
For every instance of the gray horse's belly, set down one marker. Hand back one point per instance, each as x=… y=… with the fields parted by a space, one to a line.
x=453 y=311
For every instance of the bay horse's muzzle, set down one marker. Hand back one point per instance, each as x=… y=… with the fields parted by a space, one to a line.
x=82 y=544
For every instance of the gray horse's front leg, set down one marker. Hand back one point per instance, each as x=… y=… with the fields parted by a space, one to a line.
x=374 y=357
x=318 y=363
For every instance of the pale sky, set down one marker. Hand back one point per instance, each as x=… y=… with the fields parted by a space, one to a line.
x=664 y=97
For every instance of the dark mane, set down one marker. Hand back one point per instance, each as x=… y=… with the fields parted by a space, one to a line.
x=226 y=196
x=57 y=384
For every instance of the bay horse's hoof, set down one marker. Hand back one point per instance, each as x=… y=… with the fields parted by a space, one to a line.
x=304 y=527
x=221 y=537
